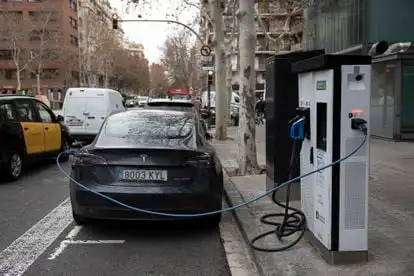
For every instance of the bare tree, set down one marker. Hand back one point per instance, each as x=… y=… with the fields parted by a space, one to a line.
x=247 y=43
x=179 y=59
x=15 y=30
x=284 y=31
x=131 y=71
x=159 y=82
x=45 y=43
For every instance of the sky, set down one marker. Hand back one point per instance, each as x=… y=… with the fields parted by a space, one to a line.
x=150 y=34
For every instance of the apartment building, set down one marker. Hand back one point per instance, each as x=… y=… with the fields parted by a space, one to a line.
x=135 y=49
x=273 y=14
x=353 y=27
x=38 y=47
x=96 y=38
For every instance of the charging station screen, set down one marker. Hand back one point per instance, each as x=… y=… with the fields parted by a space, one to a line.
x=321 y=125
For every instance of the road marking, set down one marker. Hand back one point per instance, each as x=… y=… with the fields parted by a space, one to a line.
x=23 y=252
x=72 y=234
x=70 y=239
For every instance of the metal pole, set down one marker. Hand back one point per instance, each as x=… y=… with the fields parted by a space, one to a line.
x=209 y=105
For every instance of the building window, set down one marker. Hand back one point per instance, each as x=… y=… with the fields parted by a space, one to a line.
x=6 y=55
x=47 y=74
x=50 y=73
x=11 y=74
x=73 y=22
x=73 y=5
x=73 y=40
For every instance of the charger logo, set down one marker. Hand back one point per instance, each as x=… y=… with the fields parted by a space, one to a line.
x=321 y=85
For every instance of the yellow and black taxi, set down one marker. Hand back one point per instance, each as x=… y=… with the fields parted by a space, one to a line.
x=29 y=132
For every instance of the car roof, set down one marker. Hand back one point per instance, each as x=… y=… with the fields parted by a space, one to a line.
x=12 y=97
x=170 y=103
x=151 y=111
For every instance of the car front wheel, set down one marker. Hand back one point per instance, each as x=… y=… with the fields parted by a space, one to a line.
x=14 y=166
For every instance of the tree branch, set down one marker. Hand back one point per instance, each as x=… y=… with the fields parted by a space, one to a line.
x=201 y=9
x=229 y=41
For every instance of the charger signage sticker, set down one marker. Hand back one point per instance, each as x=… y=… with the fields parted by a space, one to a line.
x=321 y=85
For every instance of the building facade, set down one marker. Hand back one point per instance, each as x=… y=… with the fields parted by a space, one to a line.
x=97 y=39
x=273 y=15
x=353 y=26
x=38 y=47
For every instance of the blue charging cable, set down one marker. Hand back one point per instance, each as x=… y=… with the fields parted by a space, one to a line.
x=207 y=213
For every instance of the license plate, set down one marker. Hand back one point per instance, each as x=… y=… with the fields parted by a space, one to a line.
x=147 y=175
x=75 y=123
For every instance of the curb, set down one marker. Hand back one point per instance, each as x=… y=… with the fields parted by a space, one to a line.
x=233 y=197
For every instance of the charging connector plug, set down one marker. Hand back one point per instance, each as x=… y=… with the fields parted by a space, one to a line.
x=359 y=123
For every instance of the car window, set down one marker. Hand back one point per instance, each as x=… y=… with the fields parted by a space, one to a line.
x=7 y=112
x=25 y=111
x=155 y=128
x=44 y=113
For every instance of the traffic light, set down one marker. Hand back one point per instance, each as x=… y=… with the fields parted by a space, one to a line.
x=115 y=22
x=210 y=77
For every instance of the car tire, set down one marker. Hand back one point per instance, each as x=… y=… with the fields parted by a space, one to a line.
x=14 y=166
x=80 y=220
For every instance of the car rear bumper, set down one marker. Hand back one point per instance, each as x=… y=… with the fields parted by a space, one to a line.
x=90 y=205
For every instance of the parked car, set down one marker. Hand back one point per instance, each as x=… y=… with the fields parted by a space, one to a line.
x=155 y=159
x=29 y=132
x=131 y=103
x=85 y=109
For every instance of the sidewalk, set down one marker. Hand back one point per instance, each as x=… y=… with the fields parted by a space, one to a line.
x=391 y=214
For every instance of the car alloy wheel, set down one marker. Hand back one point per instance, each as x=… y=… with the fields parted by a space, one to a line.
x=16 y=165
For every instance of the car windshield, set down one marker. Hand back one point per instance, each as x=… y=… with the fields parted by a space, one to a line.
x=142 y=98
x=150 y=128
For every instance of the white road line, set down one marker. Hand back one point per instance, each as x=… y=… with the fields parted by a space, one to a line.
x=69 y=239
x=72 y=234
x=23 y=252
x=97 y=242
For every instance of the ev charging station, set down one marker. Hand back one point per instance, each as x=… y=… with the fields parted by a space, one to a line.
x=333 y=91
x=281 y=103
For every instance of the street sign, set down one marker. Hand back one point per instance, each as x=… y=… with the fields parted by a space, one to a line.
x=205 y=51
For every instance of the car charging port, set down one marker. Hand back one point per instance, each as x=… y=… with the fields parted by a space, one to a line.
x=359 y=124
x=304 y=112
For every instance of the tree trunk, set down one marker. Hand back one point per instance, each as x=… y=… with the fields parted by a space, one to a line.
x=18 y=79
x=229 y=79
x=220 y=68
x=247 y=142
x=38 y=83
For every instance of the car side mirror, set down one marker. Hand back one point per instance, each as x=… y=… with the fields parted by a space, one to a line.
x=60 y=118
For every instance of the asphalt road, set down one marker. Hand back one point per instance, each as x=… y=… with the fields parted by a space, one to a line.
x=38 y=237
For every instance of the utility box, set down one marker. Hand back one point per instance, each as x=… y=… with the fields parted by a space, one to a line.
x=336 y=89
x=281 y=103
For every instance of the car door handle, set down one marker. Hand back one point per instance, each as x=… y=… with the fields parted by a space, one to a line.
x=26 y=128
x=91 y=117
x=46 y=128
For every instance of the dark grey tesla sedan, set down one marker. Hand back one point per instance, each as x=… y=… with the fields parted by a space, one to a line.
x=158 y=160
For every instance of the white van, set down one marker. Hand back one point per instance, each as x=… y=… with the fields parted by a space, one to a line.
x=235 y=99
x=85 y=109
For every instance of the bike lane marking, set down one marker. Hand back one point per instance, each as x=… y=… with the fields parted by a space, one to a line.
x=24 y=251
